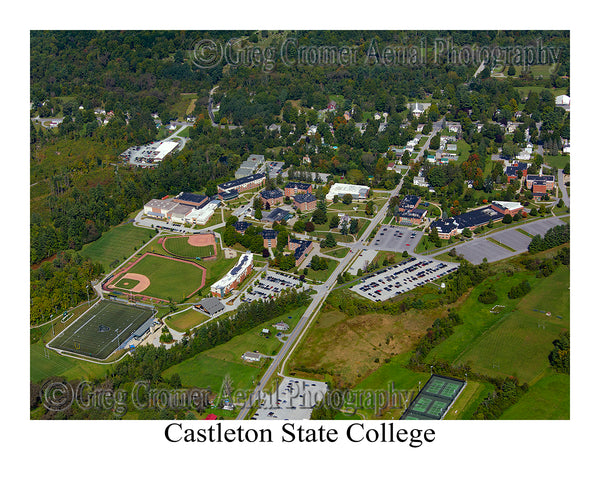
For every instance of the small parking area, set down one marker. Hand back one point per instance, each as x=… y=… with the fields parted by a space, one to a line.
x=403 y=277
x=396 y=239
x=294 y=400
x=271 y=286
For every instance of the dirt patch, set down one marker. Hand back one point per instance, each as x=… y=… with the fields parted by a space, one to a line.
x=201 y=240
x=229 y=253
x=143 y=282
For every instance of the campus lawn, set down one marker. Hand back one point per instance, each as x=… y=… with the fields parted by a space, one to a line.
x=322 y=275
x=337 y=252
x=185 y=320
x=547 y=399
x=116 y=244
x=558 y=161
x=468 y=401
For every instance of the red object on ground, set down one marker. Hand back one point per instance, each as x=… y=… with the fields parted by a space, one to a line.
x=211 y=416
x=165 y=197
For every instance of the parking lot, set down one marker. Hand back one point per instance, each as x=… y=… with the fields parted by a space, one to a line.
x=476 y=250
x=396 y=239
x=403 y=277
x=515 y=240
x=540 y=227
x=271 y=286
x=294 y=399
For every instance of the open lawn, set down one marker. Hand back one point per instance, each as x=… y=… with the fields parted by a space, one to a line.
x=516 y=341
x=41 y=367
x=558 y=161
x=204 y=372
x=548 y=399
x=337 y=253
x=208 y=368
x=117 y=244
x=185 y=320
x=322 y=275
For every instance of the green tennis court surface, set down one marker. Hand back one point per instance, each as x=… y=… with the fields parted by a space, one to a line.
x=102 y=328
x=434 y=399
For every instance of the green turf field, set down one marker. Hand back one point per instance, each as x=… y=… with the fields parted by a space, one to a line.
x=180 y=247
x=116 y=244
x=169 y=278
x=101 y=329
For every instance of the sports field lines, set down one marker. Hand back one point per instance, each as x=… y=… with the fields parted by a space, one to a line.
x=102 y=329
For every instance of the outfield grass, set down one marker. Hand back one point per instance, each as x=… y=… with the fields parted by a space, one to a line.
x=169 y=278
x=548 y=399
x=181 y=247
x=116 y=244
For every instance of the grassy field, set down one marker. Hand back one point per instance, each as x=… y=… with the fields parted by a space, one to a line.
x=520 y=343
x=188 y=319
x=350 y=349
x=558 y=161
x=337 y=252
x=322 y=275
x=41 y=367
x=215 y=269
x=516 y=341
x=548 y=399
x=180 y=246
x=168 y=277
x=208 y=368
x=116 y=244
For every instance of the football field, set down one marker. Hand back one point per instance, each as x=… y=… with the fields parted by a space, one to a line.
x=101 y=329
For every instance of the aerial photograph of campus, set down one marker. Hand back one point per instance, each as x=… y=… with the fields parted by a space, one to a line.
x=299 y=225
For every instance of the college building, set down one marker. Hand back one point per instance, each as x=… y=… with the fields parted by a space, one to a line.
x=540 y=184
x=270 y=238
x=272 y=197
x=234 y=277
x=407 y=212
x=475 y=218
x=294 y=188
x=358 y=192
x=239 y=185
x=305 y=201
x=301 y=249
x=512 y=171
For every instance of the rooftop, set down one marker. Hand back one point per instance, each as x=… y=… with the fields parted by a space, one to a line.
x=305 y=198
x=212 y=305
x=266 y=194
x=298 y=185
x=241 y=181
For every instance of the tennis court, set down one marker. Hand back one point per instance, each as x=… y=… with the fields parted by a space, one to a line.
x=434 y=400
x=102 y=329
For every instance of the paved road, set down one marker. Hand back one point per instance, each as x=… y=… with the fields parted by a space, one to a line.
x=322 y=293
x=563 y=188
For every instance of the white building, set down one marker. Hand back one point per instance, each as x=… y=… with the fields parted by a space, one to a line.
x=200 y=216
x=562 y=100
x=234 y=277
x=358 y=192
